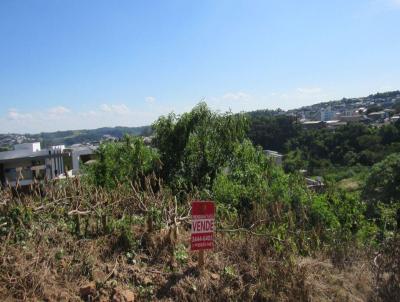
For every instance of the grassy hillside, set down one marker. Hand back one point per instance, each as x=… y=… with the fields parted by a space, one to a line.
x=121 y=231
x=82 y=136
x=85 y=243
x=70 y=137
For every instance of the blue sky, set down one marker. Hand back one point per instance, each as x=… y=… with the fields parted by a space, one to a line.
x=86 y=64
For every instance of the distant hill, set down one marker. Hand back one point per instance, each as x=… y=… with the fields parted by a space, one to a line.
x=378 y=101
x=382 y=100
x=71 y=137
x=389 y=99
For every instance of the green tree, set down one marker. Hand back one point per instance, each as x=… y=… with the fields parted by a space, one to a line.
x=374 y=108
x=123 y=162
x=293 y=161
x=383 y=183
x=195 y=145
x=396 y=107
x=272 y=132
x=382 y=193
x=389 y=134
x=244 y=179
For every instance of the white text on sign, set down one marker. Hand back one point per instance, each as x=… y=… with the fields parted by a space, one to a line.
x=203 y=226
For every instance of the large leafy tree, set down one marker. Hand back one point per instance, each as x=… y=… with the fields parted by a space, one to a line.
x=382 y=193
x=195 y=145
x=129 y=160
x=383 y=183
x=272 y=132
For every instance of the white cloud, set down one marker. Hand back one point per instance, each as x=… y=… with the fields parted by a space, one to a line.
x=59 y=110
x=62 y=118
x=117 y=109
x=15 y=115
x=150 y=99
x=105 y=108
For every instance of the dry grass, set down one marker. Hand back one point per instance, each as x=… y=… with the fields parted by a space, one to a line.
x=328 y=283
x=53 y=258
x=349 y=184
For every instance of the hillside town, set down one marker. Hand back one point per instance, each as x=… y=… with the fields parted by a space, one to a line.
x=200 y=151
x=24 y=159
x=376 y=109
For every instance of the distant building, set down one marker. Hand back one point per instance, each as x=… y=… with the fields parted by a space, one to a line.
x=378 y=116
x=109 y=138
x=313 y=124
x=28 y=163
x=335 y=124
x=351 y=118
x=78 y=154
x=327 y=114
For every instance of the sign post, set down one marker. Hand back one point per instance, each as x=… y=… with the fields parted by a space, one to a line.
x=203 y=226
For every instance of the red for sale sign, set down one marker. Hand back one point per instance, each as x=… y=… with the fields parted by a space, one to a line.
x=203 y=225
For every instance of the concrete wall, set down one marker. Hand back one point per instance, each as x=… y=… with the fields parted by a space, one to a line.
x=20 y=169
x=32 y=147
x=47 y=164
x=76 y=157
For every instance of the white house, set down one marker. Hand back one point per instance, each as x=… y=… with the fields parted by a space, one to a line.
x=28 y=162
x=80 y=153
x=327 y=114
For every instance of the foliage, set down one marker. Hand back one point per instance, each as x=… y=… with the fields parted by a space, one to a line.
x=383 y=183
x=382 y=194
x=243 y=181
x=124 y=162
x=373 y=108
x=294 y=161
x=316 y=149
x=181 y=254
x=272 y=132
x=348 y=145
x=254 y=185
x=229 y=272
x=388 y=270
x=71 y=137
x=195 y=145
x=267 y=220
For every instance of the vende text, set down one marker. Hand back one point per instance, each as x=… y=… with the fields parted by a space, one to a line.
x=203 y=226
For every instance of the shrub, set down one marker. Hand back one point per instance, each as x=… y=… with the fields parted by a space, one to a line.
x=124 y=162
x=194 y=146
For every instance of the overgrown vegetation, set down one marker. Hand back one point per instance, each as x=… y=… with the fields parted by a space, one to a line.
x=319 y=150
x=124 y=225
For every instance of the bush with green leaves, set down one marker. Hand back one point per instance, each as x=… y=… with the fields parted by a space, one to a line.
x=195 y=145
x=244 y=178
x=207 y=152
x=124 y=162
x=383 y=182
x=262 y=192
x=382 y=193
